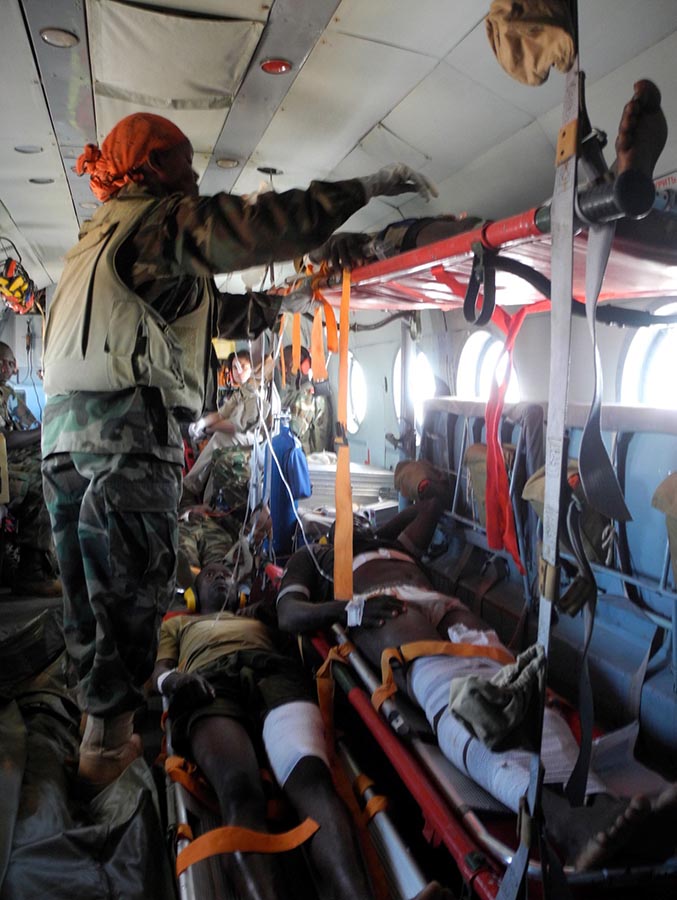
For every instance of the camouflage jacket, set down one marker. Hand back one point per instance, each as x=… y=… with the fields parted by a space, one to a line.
x=14 y=414
x=184 y=239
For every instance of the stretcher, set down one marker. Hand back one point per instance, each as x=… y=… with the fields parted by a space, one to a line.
x=477 y=831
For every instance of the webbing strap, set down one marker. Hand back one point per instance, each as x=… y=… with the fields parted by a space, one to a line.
x=598 y=478
x=187 y=775
x=325 y=688
x=343 y=538
x=407 y=653
x=296 y=343
x=280 y=334
x=235 y=839
x=376 y=804
x=317 y=347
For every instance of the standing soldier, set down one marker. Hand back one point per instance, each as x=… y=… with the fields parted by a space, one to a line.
x=127 y=356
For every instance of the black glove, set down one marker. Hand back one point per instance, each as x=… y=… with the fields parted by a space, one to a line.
x=299 y=301
x=344 y=250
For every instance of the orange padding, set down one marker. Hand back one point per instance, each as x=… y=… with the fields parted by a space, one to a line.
x=362 y=783
x=374 y=806
x=187 y=775
x=234 y=839
x=409 y=652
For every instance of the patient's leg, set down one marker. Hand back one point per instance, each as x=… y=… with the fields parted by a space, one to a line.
x=222 y=749
x=642 y=131
x=293 y=735
x=332 y=849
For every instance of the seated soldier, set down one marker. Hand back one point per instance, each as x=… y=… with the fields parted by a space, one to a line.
x=234 y=682
x=395 y=604
x=35 y=573
x=309 y=404
x=230 y=427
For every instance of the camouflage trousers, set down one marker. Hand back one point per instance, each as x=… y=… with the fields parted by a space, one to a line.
x=114 y=519
x=27 y=503
x=206 y=540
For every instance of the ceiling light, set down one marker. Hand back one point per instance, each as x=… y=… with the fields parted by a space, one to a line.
x=41 y=180
x=225 y=163
x=276 y=66
x=59 y=37
x=28 y=148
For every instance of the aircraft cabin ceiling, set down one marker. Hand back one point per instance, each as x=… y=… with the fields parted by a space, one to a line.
x=372 y=82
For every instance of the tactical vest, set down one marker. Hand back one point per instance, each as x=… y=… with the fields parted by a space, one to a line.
x=101 y=336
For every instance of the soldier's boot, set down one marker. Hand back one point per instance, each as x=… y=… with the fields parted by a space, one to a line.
x=108 y=746
x=34 y=575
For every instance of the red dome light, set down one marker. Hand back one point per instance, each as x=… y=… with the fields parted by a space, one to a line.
x=276 y=66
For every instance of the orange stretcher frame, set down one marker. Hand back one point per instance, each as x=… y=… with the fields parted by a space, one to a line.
x=408 y=281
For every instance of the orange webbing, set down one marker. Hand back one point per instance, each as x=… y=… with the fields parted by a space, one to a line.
x=409 y=652
x=362 y=783
x=280 y=335
x=317 y=347
x=233 y=839
x=186 y=774
x=325 y=689
x=377 y=804
x=184 y=832
x=343 y=537
x=296 y=343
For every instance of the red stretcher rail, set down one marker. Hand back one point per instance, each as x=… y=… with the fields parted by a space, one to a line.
x=485 y=881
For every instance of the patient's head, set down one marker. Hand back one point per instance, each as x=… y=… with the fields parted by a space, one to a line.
x=215 y=589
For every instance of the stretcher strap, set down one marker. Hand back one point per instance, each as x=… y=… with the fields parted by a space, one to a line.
x=343 y=539
x=296 y=343
x=235 y=839
x=325 y=689
x=362 y=784
x=378 y=803
x=317 y=348
x=187 y=775
x=280 y=334
x=407 y=653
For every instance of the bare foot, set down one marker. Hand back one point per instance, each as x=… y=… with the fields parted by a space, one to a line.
x=644 y=832
x=642 y=131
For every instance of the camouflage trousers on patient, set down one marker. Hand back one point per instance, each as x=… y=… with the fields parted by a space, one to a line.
x=204 y=540
x=26 y=500
x=114 y=519
x=228 y=485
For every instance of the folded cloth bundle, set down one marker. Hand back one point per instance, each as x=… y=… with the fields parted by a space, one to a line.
x=530 y=37
x=502 y=711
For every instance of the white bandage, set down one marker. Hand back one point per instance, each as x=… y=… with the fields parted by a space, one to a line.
x=162 y=678
x=290 y=733
x=354 y=612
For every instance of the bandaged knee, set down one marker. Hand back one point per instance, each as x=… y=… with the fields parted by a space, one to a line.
x=290 y=733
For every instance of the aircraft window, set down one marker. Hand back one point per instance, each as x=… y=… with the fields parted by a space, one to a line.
x=421 y=385
x=357 y=394
x=479 y=358
x=648 y=369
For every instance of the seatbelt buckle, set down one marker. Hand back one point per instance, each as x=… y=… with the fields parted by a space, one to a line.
x=548 y=580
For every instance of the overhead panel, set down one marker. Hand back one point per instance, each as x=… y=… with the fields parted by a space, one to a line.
x=431 y=27
x=38 y=217
x=223 y=9
x=185 y=68
x=452 y=119
x=338 y=97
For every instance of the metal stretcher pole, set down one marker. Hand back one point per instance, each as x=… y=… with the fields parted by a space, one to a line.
x=405 y=878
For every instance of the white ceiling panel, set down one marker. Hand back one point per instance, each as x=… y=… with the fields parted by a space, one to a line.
x=253 y=10
x=451 y=119
x=509 y=178
x=39 y=218
x=379 y=148
x=402 y=23
x=606 y=98
x=340 y=94
x=195 y=91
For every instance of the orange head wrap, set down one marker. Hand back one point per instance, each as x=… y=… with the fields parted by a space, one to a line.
x=125 y=149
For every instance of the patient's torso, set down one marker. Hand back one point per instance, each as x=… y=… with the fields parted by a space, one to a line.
x=204 y=639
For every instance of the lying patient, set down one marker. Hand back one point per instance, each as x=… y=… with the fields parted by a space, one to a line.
x=232 y=684
x=397 y=605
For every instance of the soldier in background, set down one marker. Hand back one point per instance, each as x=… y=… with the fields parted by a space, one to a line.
x=309 y=404
x=35 y=573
